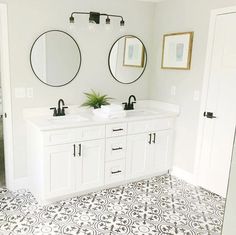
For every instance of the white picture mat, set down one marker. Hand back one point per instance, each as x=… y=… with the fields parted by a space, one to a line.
x=176 y=51
x=133 y=52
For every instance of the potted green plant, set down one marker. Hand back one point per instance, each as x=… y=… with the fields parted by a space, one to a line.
x=96 y=100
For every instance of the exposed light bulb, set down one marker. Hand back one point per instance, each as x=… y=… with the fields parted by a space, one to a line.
x=72 y=19
x=108 y=21
x=122 y=29
x=72 y=27
x=92 y=22
x=107 y=27
x=91 y=27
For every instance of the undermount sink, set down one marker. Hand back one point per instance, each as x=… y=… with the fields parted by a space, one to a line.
x=139 y=113
x=67 y=119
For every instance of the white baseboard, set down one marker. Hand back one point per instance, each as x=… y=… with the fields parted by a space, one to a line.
x=184 y=175
x=21 y=183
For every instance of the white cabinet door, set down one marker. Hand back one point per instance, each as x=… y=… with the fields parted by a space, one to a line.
x=138 y=151
x=59 y=170
x=90 y=164
x=160 y=157
x=71 y=168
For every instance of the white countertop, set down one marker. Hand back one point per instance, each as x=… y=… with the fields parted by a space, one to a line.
x=152 y=110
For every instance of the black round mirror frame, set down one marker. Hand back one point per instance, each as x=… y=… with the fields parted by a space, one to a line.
x=55 y=30
x=145 y=65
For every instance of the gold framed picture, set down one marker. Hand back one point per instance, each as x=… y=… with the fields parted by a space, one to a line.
x=133 y=52
x=177 y=51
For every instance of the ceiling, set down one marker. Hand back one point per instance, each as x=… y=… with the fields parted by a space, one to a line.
x=152 y=0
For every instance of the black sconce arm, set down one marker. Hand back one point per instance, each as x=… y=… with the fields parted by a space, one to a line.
x=118 y=16
x=79 y=12
x=122 y=22
x=95 y=17
x=72 y=19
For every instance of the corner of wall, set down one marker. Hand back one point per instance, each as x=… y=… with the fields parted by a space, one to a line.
x=21 y=183
x=184 y=175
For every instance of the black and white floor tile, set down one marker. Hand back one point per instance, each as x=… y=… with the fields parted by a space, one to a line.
x=161 y=205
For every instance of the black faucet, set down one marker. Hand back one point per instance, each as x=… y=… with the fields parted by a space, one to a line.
x=130 y=105
x=60 y=110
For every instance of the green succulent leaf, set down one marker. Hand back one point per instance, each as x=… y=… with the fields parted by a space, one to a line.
x=96 y=100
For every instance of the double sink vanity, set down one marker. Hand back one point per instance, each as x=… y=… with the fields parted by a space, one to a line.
x=80 y=153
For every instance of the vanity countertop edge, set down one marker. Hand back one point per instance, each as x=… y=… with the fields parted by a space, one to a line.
x=159 y=110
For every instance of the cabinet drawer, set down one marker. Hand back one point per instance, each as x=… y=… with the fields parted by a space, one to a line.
x=115 y=148
x=161 y=124
x=115 y=171
x=73 y=135
x=117 y=129
x=138 y=127
x=62 y=136
x=150 y=125
x=92 y=133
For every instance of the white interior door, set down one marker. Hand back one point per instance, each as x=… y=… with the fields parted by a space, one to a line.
x=6 y=94
x=218 y=131
x=230 y=212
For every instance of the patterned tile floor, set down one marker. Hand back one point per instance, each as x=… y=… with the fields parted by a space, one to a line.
x=161 y=205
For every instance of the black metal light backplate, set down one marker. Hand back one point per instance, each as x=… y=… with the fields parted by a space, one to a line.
x=94 y=17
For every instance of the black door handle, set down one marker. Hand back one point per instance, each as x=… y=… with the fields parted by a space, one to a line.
x=209 y=115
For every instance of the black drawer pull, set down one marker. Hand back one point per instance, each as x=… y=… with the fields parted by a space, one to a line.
x=114 y=130
x=154 y=140
x=116 y=149
x=115 y=172
x=150 y=139
x=80 y=149
x=74 y=153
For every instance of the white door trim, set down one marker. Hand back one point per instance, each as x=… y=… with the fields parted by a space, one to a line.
x=206 y=79
x=6 y=93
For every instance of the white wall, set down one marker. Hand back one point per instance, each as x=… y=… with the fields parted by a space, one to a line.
x=28 y=19
x=182 y=16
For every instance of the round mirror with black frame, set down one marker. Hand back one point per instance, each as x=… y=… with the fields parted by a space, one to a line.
x=55 y=58
x=127 y=59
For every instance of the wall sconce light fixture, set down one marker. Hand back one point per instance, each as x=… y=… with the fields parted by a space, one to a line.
x=94 y=17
